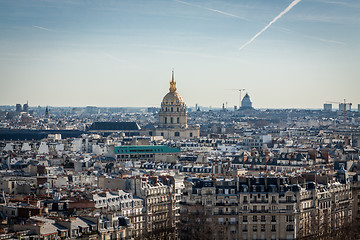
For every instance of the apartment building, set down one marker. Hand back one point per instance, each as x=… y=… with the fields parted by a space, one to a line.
x=262 y=208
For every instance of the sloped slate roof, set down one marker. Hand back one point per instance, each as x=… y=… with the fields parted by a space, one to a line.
x=114 y=126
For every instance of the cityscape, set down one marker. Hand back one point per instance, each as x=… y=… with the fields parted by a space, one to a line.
x=179 y=120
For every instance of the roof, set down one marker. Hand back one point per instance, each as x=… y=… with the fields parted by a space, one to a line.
x=145 y=149
x=114 y=126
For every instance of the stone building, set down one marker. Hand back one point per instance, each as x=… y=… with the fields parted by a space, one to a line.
x=173 y=117
x=120 y=206
x=160 y=198
x=262 y=208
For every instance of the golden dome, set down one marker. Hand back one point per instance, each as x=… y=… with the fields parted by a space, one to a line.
x=172 y=98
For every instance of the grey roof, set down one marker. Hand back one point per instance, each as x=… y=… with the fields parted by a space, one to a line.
x=114 y=126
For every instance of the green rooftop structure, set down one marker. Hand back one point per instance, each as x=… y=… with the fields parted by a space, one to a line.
x=143 y=152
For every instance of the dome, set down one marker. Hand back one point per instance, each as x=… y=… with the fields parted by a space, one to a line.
x=172 y=112
x=246 y=102
x=172 y=98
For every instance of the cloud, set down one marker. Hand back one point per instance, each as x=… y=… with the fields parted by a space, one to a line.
x=42 y=28
x=213 y=10
x=273 y=21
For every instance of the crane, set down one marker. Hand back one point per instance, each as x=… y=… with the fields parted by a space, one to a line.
x=345 y=105
x=240 y=90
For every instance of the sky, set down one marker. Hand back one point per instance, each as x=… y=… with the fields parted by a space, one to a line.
x=120 y=53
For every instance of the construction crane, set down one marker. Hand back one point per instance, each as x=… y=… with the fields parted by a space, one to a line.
x=240 y=90
x=345 y=105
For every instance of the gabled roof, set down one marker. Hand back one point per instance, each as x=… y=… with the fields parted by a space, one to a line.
x=114 y=126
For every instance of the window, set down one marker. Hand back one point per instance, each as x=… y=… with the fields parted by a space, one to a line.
x=244 y=218
x=289 y=228
x=191 y=134
x=171 y=120
x=165 y=120
x=255 y=228
x=263 y=227
x=254 y=218
x=177 y=109
x=273 y=218
x=245 y=228
x=177 y=120
x=263 y=218
x=162 y=134
x=273 y=228
x=245 y=199
x=177 y=134
x=172 y=109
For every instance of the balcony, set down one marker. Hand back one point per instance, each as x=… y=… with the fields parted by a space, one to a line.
x=259 y=201
x=287 y=201
x=225 y=213
x=259 y=211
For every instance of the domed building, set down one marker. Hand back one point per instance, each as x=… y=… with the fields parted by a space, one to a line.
x=173 y=116
x=246 y=102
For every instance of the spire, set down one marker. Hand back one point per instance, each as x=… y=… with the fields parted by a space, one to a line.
x=172 y=83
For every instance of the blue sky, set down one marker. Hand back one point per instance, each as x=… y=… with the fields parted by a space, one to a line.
x=120 y=53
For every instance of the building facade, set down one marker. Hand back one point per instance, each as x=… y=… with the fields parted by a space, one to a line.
x=262 y=208
x=173 y=117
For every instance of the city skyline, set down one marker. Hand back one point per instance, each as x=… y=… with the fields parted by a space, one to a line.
x=288 y=54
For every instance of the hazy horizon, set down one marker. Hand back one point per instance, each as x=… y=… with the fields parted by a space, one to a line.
x=287 y=54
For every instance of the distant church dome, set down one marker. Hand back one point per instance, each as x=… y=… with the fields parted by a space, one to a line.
x=246 y=102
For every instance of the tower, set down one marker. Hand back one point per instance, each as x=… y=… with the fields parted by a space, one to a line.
x=172 y=112
x=173 y=116
x=47 y=111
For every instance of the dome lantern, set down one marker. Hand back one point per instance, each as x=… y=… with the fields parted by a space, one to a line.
x=172 y=83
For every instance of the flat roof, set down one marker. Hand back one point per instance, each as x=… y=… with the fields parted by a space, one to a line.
x=145 y=149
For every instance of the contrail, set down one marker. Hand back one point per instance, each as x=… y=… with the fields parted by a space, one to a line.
x=42 y=28
x=273 y=21
x=213 y=10
x=327 y=40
